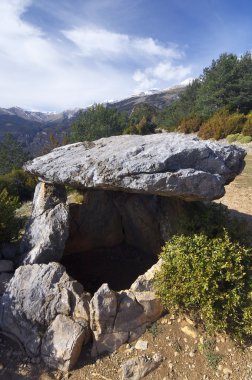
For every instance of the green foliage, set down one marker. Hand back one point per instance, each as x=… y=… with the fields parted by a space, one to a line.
x=170 y=117
x=142 y=120
x=210 y=279
x=210 y=219
x=12 y=155
x=9 y=224
x=247 y=129
x=207 y=347
x=190 y=124
x=96 y=122
x=227 y=83
x=245 y=139
x=240 y=138
x=154 y=329
x=18 y=183
x=222 y=124
x=233 y=137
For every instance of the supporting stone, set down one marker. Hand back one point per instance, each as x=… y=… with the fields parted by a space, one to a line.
x=47 y=230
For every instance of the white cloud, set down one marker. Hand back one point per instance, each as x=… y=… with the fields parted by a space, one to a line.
x=163 y=72
x=38 y=71
x=94 y=41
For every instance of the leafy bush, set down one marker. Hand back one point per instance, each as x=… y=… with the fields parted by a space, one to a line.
x=240 y=138
x=9 y=224
x=221 y=124
x=215 y=126
x=233 y=137
x=244 y=139
x=210 y=279
x=247 y=129
x=18 y=183
x=190 y=124
x=210 y=219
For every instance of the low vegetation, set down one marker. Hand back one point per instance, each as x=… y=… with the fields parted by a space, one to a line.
x=209 y=278
x=9 y=223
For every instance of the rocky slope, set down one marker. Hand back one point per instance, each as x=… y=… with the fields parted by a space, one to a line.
x=34 y=128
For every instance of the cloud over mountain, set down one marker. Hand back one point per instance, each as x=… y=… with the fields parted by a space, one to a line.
x=78 y=65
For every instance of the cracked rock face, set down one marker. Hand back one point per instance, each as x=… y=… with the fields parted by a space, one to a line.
x=162 y=164
x=47 y=230
x=120 y=317
x=38 y=302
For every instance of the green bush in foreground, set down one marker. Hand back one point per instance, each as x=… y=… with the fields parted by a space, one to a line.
x=9 y=224
x=239 y=137
x=211 y=280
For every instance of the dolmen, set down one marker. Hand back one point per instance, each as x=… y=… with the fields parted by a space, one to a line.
x=134 y=190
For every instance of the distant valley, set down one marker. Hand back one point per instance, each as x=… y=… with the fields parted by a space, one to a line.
x=33 y=129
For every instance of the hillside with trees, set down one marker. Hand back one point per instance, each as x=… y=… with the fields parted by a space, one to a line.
x=218 y=103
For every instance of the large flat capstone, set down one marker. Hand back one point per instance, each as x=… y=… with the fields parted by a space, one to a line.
x=167 y=164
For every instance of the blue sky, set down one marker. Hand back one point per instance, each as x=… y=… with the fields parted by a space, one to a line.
x=60 y=54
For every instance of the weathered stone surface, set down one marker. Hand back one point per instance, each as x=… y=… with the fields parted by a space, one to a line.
x=6 y=266
x=4 y=280
x=33 y=299
x=139 y=367
x=143 y=289
x=164 y=164
x=117 y=318
x=47 y=230
x=62 y=342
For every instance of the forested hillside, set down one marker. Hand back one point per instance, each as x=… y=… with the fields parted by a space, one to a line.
x=216 y=104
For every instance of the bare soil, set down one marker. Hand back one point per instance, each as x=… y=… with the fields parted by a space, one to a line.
x=185 y=357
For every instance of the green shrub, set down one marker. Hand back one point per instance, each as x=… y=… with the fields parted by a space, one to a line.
x=18 y=183
x=210 y=279
x=240 y=138
x=9 y=224
x=190 y=124
x=244 y=139
x=210 y=219
x=215 y=126
x=233 y=137
x=247 y=129
x=221 y=124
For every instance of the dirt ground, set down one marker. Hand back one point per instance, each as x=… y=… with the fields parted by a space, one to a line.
x=186 y=355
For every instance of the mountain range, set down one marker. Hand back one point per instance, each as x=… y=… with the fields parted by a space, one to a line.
x=33 y=129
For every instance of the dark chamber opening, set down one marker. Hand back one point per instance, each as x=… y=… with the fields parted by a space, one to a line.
x=113 y=238
x=119 y=266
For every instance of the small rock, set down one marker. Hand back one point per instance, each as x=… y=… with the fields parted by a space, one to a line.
x=139 y=367
x=141 y=345
x=164 y=321
x=227 y=371
x=190 y=331
x=189 y=321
